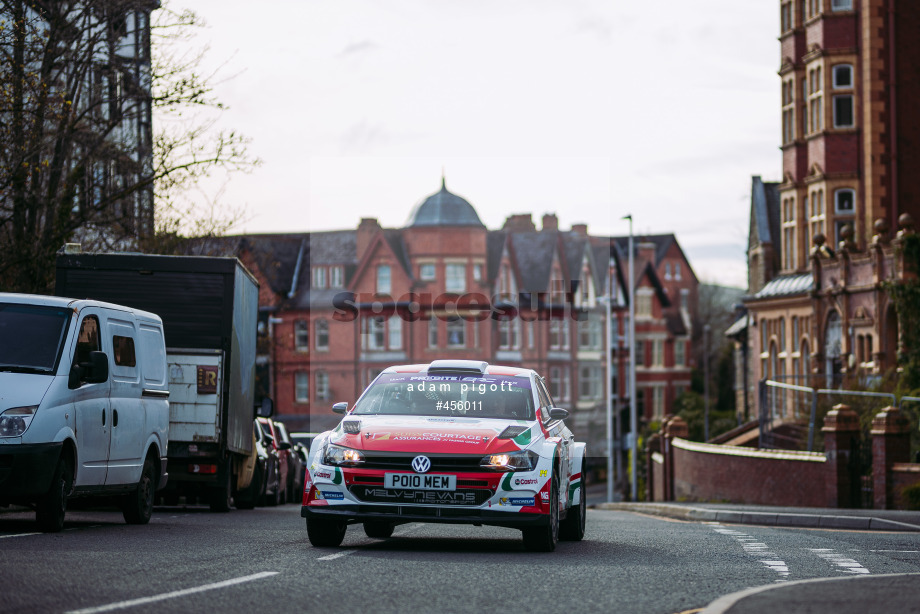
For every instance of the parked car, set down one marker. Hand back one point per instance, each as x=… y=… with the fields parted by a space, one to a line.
x=84 y=407
x=282 y=449
x=296 y=466
x=455 y=441
x=265 y=485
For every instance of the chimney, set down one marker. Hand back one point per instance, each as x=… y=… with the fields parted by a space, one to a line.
x=580 y=229
x=520 y=222
x=550 y=221
x=367 y=230
x=645 y=253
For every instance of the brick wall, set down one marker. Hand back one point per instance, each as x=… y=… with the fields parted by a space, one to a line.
x=707 y=472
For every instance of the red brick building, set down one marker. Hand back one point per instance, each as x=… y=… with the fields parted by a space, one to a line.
x=338 y=307
x=821 y=239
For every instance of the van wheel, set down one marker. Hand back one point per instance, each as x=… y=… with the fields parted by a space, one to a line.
x=138 y=505
x=220 y=500
x=51 y=508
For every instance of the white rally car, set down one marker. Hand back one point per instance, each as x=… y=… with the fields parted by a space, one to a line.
x=455 y=441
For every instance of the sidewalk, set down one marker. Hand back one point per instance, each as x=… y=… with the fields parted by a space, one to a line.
x=806 y=517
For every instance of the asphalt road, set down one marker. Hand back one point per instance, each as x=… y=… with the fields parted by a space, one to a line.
x=187 y=559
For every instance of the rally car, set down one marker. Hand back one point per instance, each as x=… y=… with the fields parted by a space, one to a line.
x=453 y=441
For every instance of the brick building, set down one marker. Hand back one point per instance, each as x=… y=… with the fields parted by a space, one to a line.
x=338 y=307
x=821 y=239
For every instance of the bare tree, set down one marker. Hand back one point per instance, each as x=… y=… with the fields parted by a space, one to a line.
x=79 y=82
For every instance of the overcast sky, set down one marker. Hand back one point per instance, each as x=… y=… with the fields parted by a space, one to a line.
x=589 y=109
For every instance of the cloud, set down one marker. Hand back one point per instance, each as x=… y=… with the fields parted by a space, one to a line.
x=364 y=46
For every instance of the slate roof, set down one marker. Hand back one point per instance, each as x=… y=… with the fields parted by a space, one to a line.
x=534 y=253
x=765 y=213
x=787 y=285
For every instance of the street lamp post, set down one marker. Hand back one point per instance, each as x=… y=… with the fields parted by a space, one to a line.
x=609 y=388
x=706 y=332
x=633 y=417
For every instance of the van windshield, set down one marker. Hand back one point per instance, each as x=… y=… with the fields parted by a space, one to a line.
x=490 y=396
x=31 y=337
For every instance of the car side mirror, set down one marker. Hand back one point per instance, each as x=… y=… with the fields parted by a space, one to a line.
x=98 y=371
x=284 y=446
x=266 y=408
x=557 y=413
x=340 y=408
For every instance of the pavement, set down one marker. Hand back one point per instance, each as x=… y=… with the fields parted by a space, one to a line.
x=857 y=595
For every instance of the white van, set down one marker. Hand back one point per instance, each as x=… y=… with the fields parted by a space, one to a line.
x=84 y=407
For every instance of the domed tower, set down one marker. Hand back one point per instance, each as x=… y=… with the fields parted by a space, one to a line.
x=446 y=244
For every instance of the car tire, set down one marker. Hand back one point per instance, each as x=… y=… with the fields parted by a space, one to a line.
x=573 y=527
x=379 y=529
x=544 y=538
x=137 y=506
x=49 y=514
x=326 y=533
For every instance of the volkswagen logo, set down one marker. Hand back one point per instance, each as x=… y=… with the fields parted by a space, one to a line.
x=421 y=464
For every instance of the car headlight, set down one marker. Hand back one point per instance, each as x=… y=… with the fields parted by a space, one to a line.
x=524 y=460
x=340 y=455
x=15 y=421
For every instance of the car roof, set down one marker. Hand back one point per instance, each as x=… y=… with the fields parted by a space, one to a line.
x=461 y=366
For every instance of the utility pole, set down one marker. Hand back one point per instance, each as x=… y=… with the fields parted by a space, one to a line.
x=633 y=417
x=706 y=331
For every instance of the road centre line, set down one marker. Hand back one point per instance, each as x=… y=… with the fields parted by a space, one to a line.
x=337 y=555
x=19 y=535
x=120 y=605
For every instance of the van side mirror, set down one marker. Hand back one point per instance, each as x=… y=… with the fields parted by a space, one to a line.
x=266 y=408
x=75 y=378
x=340 y=408
x=557 y=413
x=98 y=368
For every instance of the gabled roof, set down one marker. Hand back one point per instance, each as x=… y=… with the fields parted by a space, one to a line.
x=333 y=247
x=533 y=253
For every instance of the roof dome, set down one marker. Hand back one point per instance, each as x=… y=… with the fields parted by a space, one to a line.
x=444 y=209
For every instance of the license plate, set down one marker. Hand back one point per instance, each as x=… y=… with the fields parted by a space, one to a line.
x=420 y=481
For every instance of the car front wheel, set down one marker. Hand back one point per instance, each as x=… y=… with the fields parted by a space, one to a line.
x=326 y=533
x=573 y=527
x=544 y=538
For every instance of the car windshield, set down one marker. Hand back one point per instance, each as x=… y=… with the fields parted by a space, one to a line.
x=31 y=337
x=491 y=396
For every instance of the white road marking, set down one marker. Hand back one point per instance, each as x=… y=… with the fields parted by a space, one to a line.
x=845 y=564
x=120 y=605
x=19 y=535
x=896 y=551
x=337 y=555
x=756 y=548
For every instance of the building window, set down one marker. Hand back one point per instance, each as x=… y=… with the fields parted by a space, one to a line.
x=677 y=271
x=814 y=8
x=322 y=334
x=680 y=357
x=456 y=332
x=530 y=335
x=843 y=111
x=394 y=333
x=788 y=111
x=302 y=387
x=558 y=335
x=477 y=272
x=841 y=5
x=455 y=278
x=373 y=334
x=815 y=100
x=319 y=277
x=658 y=402
x=816 y=213
x=843 y=76
x=589 y=383
x=589 y=334
x=845 y=201
x=426 y=271
x=644 y=303
x=667 y=270
x=509 y=334
x=336 y=277
x=782 y=335
x=785 y=16
x=640 y=353
x=559 y=383
x=433 y=333
x=685 y=299
x=790 y=259
x=302 y=336
x=322 y=386
x=384 y=283
x=658 y=352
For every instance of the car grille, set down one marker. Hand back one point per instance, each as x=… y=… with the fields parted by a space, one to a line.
x=459 y=497
x=439 y=462
x=378 y=479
